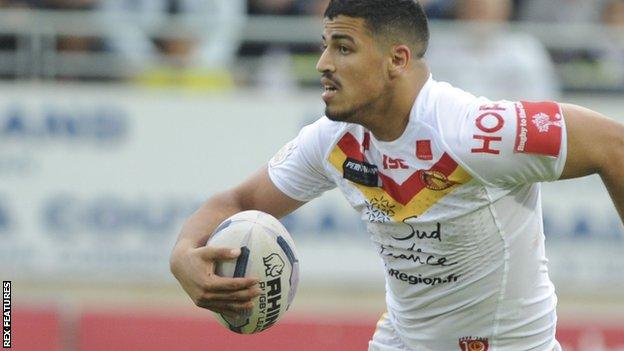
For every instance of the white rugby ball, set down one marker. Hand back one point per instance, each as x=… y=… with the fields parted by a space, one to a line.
x=267 y=253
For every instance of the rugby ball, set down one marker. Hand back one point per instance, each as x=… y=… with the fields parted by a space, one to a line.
x=267 y=253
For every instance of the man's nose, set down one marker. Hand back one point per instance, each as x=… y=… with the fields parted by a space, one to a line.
x=324 y=63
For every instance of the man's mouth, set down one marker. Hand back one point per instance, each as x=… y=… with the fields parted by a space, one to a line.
x=328 y=93
x=330 y=88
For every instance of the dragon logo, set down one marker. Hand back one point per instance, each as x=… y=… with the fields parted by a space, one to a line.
x=543 y=122
x=435 y=180
x=274 y=265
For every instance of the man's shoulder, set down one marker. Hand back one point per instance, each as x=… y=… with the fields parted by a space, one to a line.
x=325 y=123
x=323 y=133
x=327 y=129
x=445 y=94
x=328 y=124
x=444 y=106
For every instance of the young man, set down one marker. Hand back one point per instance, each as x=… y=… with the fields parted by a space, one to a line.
x=447 y=182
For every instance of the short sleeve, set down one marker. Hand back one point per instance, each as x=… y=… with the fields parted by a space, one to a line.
x=505 y=143
x=298 y=168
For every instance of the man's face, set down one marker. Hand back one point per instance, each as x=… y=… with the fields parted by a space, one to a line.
x=352 y=67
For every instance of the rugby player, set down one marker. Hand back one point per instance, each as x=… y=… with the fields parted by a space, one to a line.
x=447 y=182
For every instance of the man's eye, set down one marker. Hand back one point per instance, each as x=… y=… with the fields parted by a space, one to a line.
x=343 y=49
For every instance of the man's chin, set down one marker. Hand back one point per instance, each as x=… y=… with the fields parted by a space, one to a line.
x=338 y=116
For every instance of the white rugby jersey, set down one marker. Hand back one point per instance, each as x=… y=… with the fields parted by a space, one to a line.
x=454 y=209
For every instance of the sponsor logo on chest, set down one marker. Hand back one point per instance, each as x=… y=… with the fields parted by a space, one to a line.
x=360 y=172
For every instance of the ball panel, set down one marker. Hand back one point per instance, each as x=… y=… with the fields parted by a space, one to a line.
x=293 y=280
x=237 y=325
x=222 y=226
x=241 y=263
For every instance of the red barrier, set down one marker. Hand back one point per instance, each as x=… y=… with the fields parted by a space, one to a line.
x=35 y=330
x=592 y=336
x=161 y=332
x=138 y=330
x=108 y=331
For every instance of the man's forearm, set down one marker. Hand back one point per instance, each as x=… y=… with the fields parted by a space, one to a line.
x=612 y=173
x=193 y=264
x=198 y=227
x=614 y=181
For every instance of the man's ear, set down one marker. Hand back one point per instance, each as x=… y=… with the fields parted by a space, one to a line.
x=400 y=57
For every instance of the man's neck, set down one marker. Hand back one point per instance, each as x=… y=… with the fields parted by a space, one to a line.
x=388 y=121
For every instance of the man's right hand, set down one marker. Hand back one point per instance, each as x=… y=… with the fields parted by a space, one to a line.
x=194 y=268
x=193 y=264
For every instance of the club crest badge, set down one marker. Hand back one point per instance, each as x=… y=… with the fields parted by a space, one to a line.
x=473 y=344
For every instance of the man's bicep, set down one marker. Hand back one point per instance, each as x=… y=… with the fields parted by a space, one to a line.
x=595 y=143
x=259 y=192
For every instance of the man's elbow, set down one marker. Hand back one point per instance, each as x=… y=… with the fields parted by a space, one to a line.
x=613 y=160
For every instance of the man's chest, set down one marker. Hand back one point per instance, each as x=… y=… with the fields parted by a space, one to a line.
x=394 y=182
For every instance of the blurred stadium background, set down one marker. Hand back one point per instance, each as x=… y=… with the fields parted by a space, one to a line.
x=119 y=117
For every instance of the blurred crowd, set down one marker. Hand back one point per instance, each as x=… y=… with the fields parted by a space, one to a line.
x=517 y=62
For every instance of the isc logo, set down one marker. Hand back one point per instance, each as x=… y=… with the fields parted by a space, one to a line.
x=393 y=163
